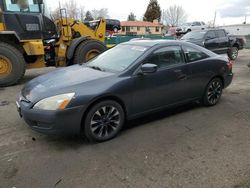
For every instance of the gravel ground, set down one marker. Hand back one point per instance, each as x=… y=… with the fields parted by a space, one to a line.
x=190 y=146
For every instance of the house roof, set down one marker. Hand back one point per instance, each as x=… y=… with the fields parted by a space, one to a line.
x=139 y=24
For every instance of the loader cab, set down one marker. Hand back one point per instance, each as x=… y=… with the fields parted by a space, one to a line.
x=25 y=18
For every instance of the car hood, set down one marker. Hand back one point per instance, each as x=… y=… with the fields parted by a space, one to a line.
x=59 y=81
x=194 y=41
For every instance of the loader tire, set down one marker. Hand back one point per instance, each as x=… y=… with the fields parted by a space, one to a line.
x=88 y=50
x=12 y=65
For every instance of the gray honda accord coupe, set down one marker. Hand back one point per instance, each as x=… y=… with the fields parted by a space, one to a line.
x=128 y=81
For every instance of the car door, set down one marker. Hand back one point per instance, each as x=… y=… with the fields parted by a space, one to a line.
x=164 y=87
x=223 y=41
x=211 y=41
x=198 y=72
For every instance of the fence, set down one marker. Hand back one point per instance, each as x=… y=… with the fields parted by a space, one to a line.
x=248 y=41
x=120 y=39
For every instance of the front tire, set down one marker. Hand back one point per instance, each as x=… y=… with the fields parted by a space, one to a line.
x=12 y=65
x=103 y=121
x=213 y=92
x=88 y=50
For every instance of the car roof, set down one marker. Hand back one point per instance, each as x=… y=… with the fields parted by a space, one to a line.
x=206 y=30
x=151 y=43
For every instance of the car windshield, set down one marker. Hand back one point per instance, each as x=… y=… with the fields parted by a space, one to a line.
x=194 y=35
x=117 y=59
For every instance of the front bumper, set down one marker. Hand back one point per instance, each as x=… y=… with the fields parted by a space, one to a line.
x=64 y=122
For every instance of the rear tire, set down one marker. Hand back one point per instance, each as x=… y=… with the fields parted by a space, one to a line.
x=213 y=92
x=233 y=53
x=87 y=50
x=103 y=121
x=12 y=65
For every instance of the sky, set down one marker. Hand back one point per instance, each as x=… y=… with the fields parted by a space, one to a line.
x=228 y=11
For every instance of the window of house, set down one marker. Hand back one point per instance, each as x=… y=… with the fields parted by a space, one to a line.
x=193 y=54
x=127 y=28
x=168 y=56
x=157 y=29
x=123 y=28
x=138 y=28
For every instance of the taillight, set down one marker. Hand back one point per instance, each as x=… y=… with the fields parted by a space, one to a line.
x=230 y=64
x=243 y=41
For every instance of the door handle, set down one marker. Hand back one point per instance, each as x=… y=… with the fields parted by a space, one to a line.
x=180 y=74
x=182 y=77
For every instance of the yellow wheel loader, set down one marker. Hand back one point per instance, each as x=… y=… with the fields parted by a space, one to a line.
x=29 y=39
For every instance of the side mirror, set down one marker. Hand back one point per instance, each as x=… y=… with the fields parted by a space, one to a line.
x=149 y=68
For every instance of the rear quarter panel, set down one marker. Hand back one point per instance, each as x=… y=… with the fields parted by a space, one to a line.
x=202 y=72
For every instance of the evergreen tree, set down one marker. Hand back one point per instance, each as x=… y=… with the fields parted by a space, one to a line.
x=88 y=16
x=131 y=17
x=153 y=11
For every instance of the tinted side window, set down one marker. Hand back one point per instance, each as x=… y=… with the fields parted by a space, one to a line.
x=210 y=35
x=166 y=57
x=221 y=33
x=196 y=23
x=193 y=54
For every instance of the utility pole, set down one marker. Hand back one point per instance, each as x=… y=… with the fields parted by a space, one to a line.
x=215 y=15
x=163 y=16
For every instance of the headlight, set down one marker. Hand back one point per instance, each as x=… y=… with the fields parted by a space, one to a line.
x=58 y=102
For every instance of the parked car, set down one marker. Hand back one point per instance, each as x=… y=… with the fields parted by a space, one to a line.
x=128 y=81
x=217 y=41
x=171 y=31
x=192 y=26
x=113 y=25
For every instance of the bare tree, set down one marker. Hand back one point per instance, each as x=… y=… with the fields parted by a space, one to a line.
x=101 y=13
x=74 y=10
x=210 y=24
x=71 y=7
x=82 y=13
x=175 y=15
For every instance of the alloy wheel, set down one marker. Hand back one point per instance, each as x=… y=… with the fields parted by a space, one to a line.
x=214 y=92
x=235 y=54
x=105 y=122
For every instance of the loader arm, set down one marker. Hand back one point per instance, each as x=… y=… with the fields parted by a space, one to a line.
x=97 y=33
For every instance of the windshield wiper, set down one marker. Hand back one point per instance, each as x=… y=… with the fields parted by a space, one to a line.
x=96 y=68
